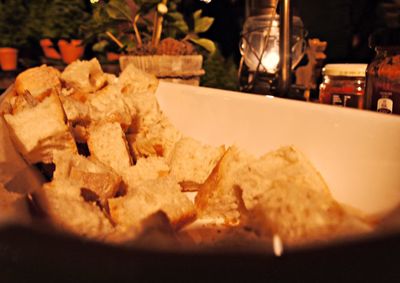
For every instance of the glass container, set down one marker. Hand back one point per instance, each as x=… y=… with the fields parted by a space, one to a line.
x=383 y=73
x=343 y=85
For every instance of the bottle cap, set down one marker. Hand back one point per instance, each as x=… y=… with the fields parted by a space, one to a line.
x=345 y=70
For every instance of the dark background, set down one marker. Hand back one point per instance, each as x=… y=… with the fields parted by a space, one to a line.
x=344 y=24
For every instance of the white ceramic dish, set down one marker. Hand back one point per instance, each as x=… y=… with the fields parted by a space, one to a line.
x=357 y=152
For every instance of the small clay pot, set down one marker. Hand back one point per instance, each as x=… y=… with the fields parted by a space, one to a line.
x=49 y=50
x=8 y=58
x=71 y=51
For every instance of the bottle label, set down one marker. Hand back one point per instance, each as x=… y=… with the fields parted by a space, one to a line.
x=385 y=105
x=385 y=96
x=346 y=100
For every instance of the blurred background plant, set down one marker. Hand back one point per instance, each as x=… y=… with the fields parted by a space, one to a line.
x=220 y=73
x=13 y=23
x=110 y=27
x=107 y=26
x=63 y=19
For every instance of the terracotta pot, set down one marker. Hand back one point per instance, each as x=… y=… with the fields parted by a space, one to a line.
x=71 y=51
x=111 y=56
x=49 y=50
x=8 y=58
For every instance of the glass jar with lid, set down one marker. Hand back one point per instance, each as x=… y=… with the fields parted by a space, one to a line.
x=383 y=73
x=343 y=85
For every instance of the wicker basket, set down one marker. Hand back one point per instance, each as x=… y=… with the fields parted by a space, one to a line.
x=185 y=69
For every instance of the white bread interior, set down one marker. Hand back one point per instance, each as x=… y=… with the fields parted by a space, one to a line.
x=39 y=131
x=67 y=210
x=108 y=105
x=256 y=178
x=158 y=139
x=39 y=82
x=299 y=214
x=137 y=89
x=192 y=162
x=87 y=173
x=107 y=144
x=137 y=80
x=217 y=197
x=84 y=76
x=147 y=198
x=150 y=168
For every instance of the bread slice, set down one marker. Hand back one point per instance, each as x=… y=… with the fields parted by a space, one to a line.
x=148 y=112
x=87 y=173
x=299 y=214
x=138 y=91
x=104 y=105
x=84 y=76
x=192 y=162
x=149 y=197
x=39 y=82
x=150 y=168
x=256 y=178
x=13 y=208
x=217 y=197
x=75 y=110
x=108 y=105
x=107 y=144
x=158 y=139
x=39 y=131
x=67 y=210
x=137 y=80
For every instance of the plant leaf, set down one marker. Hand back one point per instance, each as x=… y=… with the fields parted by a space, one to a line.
x=207 y=44
x=202 y=24
x=100 y=46
x=197 y=14
x=176 y=16
x=181 y=26
x=118 y=11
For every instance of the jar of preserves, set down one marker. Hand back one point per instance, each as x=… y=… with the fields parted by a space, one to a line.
x=383 y=73
x=343 y=85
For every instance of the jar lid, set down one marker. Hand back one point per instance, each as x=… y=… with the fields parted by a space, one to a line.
x=345 y=70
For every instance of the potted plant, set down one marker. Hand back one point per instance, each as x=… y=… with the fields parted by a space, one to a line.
x=160 y=41
x=108 y=32
x=12 y=32
x=61 y=24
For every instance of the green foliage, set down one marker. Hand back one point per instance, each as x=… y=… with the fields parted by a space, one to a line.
x=118 y=10
x=24 y=20
x=200 y=25
x=207 y=44
x=63 y=19
x=13 y=15
x=220 y=72
x=178 y=22
x=113 y=17
x=175 y=26
x=36 y=17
